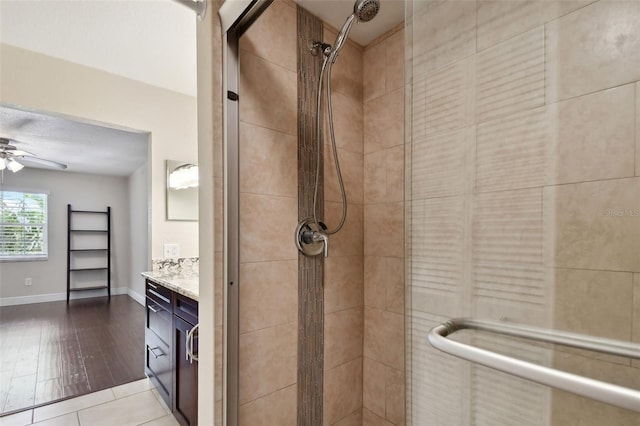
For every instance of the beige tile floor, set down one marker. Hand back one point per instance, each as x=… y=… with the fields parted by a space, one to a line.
x=132 y=404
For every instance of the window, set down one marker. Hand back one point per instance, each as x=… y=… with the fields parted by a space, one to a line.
x=23 y=225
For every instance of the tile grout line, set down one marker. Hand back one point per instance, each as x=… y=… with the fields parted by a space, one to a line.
x=118 y=399
x=77 y=412
x=160 y=400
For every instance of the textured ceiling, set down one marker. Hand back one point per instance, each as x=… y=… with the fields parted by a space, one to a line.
x=83 y=147
x=335 y=13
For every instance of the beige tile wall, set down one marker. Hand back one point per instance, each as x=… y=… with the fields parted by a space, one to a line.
x=277 y=408
x=591 y=302
x=636 y=314
x=343 y=279
x=218 y=205
x=268 y=217
x=354 y=419
x=592 y=49
x=383 y=368
x=342 y=391
x=501 y=120
x=500 y=20
x=524 y=196
x=569 y=409
x=638 y=129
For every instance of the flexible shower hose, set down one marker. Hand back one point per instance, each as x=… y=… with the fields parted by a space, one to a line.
x=326 y=66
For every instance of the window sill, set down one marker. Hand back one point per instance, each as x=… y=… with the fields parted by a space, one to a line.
x=7 y=259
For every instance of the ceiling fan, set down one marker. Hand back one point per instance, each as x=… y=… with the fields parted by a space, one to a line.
x=13 y=158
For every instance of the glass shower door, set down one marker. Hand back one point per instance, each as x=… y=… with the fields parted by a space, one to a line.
x=523 y=201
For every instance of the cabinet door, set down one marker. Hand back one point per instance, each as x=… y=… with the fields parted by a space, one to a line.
x=185 y=381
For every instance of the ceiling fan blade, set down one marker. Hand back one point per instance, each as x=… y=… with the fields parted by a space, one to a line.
x=6 y=146
x=5 y=143
x=23 y=122
x=30 y=159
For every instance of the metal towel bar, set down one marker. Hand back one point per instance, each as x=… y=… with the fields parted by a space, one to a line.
x=584 y=386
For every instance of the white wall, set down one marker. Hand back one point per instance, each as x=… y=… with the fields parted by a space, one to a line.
x=139 y=238
x=32 y=80
x=83 y=192
x=209 y=48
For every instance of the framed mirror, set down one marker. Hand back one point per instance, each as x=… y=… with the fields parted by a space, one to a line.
x=182 y=190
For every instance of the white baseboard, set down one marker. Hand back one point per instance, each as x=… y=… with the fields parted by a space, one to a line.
x=55 y=297
x=136 y=296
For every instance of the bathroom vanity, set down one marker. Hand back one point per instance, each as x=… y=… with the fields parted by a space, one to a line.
x=171 y=341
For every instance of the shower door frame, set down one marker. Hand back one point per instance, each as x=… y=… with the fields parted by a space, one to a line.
x=236 y=17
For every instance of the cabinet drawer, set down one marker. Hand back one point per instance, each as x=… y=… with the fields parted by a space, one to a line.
x=159 y=320
x=185 y=308
x=159 y=294
x=158 y=365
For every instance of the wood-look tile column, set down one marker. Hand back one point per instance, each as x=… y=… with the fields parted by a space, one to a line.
x=310 y=269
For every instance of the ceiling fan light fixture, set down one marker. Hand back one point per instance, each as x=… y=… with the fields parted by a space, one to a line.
x=9 y=153
x=3 y=163
x=14 y=166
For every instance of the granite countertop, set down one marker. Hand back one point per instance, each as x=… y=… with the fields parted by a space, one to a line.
x=185 y=282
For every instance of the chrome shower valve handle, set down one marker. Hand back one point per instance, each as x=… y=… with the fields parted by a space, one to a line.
x=316 y=237
x=311 y=239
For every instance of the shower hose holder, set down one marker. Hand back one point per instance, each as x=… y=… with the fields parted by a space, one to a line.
x=315 y=47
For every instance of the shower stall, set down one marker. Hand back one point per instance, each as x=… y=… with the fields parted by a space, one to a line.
x=522 y=196
x=489 y=153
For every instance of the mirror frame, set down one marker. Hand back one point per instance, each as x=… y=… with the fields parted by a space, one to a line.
x=170 y=166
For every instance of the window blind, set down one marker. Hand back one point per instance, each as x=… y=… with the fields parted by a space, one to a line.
x=23 y=225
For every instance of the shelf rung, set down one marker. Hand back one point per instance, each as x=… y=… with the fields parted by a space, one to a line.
x=96 y=249
x=88 y=211
x=88 y=269
x=89 y=230
x=101 y=287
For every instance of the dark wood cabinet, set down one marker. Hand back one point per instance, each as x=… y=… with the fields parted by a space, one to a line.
x=158 y=365
x=185 y=374
x=171 y=360
x=158 y=338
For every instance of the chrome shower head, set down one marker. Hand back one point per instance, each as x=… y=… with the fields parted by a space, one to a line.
x=363 y=11
x=366 y=10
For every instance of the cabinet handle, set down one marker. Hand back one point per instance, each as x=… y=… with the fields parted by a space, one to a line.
x=187 y=351
x=152 y=309
x=153 y=351
x=189 y=355
x=194 y=356
x=159 y=296
x=151 y=285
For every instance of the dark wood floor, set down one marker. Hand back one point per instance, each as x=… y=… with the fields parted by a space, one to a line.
x=50 y=351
